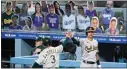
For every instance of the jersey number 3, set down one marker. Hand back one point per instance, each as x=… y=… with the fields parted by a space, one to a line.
x=53 y=59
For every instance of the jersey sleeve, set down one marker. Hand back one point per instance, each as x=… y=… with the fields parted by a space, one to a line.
x=77 y=42
x=41 y=58
x=60 y=48
x=97 y=46
x=81 y=42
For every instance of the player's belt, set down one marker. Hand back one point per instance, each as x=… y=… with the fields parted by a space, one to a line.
x=89 y=62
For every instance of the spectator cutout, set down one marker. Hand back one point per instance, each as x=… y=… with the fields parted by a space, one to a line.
x=83 y=21
x=15 y=22
x=38 y=17
x=91 y=11
x=69 y=20
x=58 y=10
x=17 y=10
x=13 y=6
x=73 y=10
x=107 y=14
x=29 y=25
x=23 y=14
x=31 y=8
x=6 y=16
x=52 y=19
x=112 y=30
x=95 y=24
x=44 y=7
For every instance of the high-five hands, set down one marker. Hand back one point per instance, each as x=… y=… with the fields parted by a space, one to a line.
x=69 y=34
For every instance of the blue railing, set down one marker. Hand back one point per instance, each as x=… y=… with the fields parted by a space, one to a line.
x=29 y=60
x=102 y=38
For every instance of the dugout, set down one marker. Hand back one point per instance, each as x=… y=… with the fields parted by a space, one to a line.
x=13 y=48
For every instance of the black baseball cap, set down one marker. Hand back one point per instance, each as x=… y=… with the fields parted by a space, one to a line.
x=67 y=6
x=39 y=39
x=89 y=29
x=47 y=41
x=8 y=4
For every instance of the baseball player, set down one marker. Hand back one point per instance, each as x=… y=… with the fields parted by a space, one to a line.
x=38 y=46
x=49 y=57
x=89 y=48
x=69 y=48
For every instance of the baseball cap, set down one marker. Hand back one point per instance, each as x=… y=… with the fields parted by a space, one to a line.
x=89 y=29
x=39 y=39
x=8 y=4
x=67 y=6
x=47 y=41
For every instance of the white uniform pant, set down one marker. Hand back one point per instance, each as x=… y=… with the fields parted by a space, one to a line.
x=86 y=65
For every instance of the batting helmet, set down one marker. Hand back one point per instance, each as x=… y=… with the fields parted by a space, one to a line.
x=89 y=29
x=47 y=41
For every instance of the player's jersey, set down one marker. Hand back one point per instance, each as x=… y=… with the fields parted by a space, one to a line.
x=69 y=22
x=89 y=49
x=83 y=22
x=49 y=57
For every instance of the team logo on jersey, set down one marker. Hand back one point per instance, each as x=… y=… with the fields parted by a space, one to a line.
x=91 y=48
x=107 y=15
x=52 y=20
x=84 y=21
x=68 y=22
x=7 y=21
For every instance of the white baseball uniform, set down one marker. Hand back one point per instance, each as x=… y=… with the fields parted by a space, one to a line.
x=89 y=50
x=49 y=57
x=83 y=22
x=69 y=22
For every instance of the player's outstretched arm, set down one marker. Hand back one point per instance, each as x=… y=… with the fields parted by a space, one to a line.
x=70 y=35
x=66 y=40
x=76 y=41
